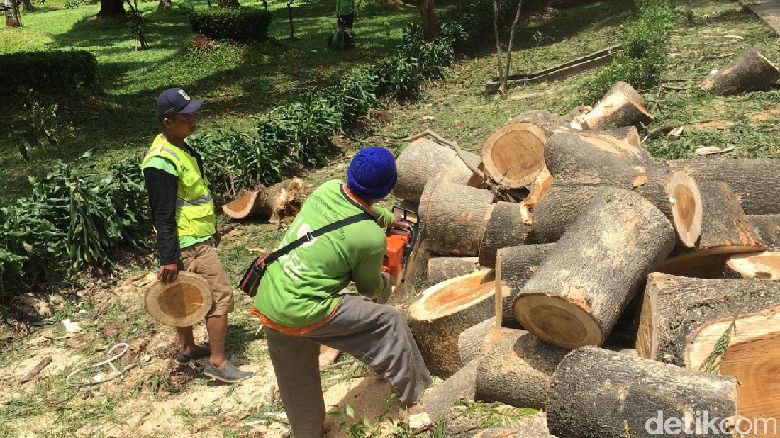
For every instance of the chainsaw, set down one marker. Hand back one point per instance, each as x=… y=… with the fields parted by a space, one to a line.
x=401 y=239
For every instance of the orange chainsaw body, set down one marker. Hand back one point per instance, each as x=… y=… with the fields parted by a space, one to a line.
x=401 y=239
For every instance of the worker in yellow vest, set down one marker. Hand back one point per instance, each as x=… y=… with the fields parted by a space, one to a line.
x=182 y=211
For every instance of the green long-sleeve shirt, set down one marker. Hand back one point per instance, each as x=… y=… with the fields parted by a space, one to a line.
x=302 y=287
x=345 y=7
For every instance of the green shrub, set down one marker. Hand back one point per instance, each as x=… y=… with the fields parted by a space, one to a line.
x=47 y=71
x=242 y=25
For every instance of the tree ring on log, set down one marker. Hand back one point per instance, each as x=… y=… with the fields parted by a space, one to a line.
x=180 y=303
x=687 y=208
x=558 y=321
x=758 y=266
x=514 y=154
x=452 y=297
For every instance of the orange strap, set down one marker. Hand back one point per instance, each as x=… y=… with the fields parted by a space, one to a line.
x=290 y=330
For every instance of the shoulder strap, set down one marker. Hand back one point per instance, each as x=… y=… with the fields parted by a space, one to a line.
x=308 y=237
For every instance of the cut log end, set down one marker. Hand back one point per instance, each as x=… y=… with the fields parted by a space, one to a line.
x=514 y=155
x=558 y=321
x=181 y=303
x=687 y=209
x=454 y=295
x=241 y=207
x=757 y=266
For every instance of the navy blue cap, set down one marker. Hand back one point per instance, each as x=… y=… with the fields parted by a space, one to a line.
x=176 y=101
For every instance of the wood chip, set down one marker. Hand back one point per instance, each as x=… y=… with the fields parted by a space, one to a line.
x=640 y=180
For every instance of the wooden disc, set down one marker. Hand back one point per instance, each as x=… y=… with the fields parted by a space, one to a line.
x=557 y=321
x=758 y=266
x=180 y=303
x=687 y=207
x=514 y=154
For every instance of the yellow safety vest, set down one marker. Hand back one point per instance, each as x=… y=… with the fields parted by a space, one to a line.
x=194 y=203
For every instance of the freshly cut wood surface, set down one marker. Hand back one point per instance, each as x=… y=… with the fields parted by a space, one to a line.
x=621 y=106
x=601 y=393
x=676 y=310
x=748 y=71
x=725 y=230
x=508 y=225
x=279 y=201
x=443 y=268
x=539 y=188
x=755 y=266
x=422 y=160
x=581 y=287
x=180 y=303
x=454 y=217
x=518 y=264
x=755 y=181
x=445 y=310
x=513 y=155
x=768 y=227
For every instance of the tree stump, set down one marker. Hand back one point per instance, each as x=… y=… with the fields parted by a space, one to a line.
x=562 y=205
x=575 y=161
x=601 y=393
x=620 y=106
x=725 y=231
x=676 y=309
x=513 y=155
x=748 y=71
x=443 y=268
x=276 y=202
x=443 y=311
x=518 y=264
x=508 y=225
x=517 y=371
x=422 y=160
x=754 y=266
x=580 y=289
x=454 y=217
x=755 y=181
x=768 y=227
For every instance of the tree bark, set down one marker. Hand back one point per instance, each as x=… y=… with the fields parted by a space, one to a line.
x=461 y=385
x=422 y=160
x=550 y=123
x=12 y=16
x=111 y=8
x=573 y=160
x=676 y=310
x=725 y=230
x=27 y=6
x=600 y=393
x=444 y=268
x=518 y=264
x=517 y=371
x=559 y=209
x=754 y=266
x=768 y=227
x=620 y=106
x=164 y=4
x=473 y=341
x=749 y=71
x=756 y=181
x=508 y=225
x=428 y=17
x=581 y=288
x=513 y=155
x=443 y=311
x=619 y=140
x=454 y=217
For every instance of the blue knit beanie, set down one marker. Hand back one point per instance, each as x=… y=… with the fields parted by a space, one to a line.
x=372 y=174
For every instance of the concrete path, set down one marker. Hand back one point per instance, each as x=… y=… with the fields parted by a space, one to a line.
x=769 y=11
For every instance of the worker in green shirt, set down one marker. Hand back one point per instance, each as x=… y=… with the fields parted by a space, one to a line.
x=301 y=305
x=345 y=10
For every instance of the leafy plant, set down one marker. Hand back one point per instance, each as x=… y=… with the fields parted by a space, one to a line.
x=36 y=122
x=47 y=71
x=244 y=24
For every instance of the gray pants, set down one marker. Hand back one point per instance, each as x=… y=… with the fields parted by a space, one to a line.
x=376 y=334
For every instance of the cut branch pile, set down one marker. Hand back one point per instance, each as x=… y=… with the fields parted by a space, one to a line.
x=568 y=271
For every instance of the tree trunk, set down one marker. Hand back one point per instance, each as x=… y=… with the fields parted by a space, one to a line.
x=444 y=268
x=620 y=106
x=559 y=209
x=429 y=24
x=230 y=4
x=12 y=16
x=573 y=160
x=618 y=141
x=518 y=264
x=725 y=230
x=513 y=155
x=517 y=371
x=755 y=181
x=422 y=160
x=443 y=311
x=461 y=385
x=676 y=310
x=164 y=4
x=27 y=6
x=581 y=288
x=454 y=217
x=600 y=393
x=768 y=227
x=473 y=342
x=749 y=71
x=277 y=202
x=754 y=266
x=111 y=8
x=508 y=225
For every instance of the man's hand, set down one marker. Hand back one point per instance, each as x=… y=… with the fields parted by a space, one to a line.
x=217 y=238
x=168 y=273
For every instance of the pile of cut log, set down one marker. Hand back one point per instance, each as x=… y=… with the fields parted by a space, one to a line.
x=564 y=269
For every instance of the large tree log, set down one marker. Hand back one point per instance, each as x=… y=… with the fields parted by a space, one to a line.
x=513 y=155
x=276 y=202
x=461 y=385
x=676 y=309
x=725 y=231
x=768 y=227
x=580 y=289
x=573 y=160
x=517 y=371
x=443 y=311
x=444 y=268
x=472 y=341
x=518 y=264
x=454 y=217
x=611 y=141
x=748 y=71
x=754 y=266
x=562 y=205
x=756 y=181
x=600 y=393
x=549 y=122
x=508 y=225
x=422 y=160
x=620 y=106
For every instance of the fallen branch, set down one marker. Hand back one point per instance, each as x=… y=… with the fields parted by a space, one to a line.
x=35 y=371
x=711 y=57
